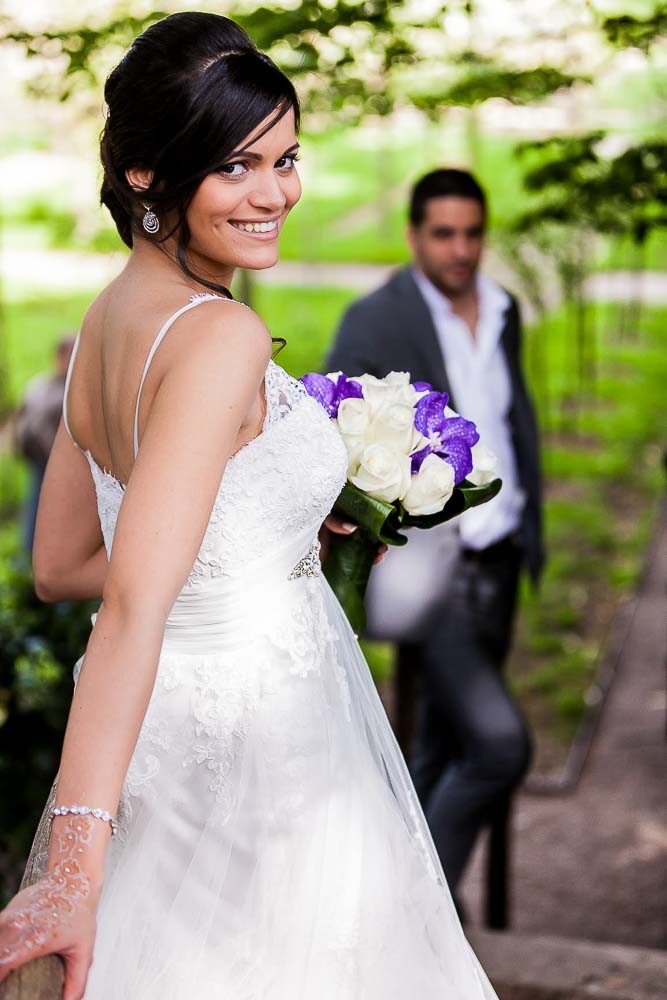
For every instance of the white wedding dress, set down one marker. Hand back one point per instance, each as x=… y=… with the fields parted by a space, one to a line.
x=271 y=846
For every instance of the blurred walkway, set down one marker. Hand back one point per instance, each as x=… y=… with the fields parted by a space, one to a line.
x=593 y=865
x=62 y=271
x=649 y=287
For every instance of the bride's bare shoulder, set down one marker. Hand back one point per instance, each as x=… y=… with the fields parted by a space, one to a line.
x=95 y=312
x=218 y=327
x=202 y=322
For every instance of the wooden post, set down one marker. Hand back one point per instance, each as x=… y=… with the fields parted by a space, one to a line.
x=405 y=695
x=498 y=867
x=43 y=979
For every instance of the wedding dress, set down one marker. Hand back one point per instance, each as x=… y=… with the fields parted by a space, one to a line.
x=271 y=845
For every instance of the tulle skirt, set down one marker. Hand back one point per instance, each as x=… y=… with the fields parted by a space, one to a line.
x=271 y=845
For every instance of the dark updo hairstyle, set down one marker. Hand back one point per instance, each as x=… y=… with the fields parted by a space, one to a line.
x=188 y=91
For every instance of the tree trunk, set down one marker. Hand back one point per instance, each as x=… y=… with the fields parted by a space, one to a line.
x=636 y=302
x=384 y=172
x=5 y=402
x=592 y=359
x=582 y=347
x=581 y=315
x=473 y=139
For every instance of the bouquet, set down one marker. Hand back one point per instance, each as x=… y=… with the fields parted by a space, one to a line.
x=412 y=462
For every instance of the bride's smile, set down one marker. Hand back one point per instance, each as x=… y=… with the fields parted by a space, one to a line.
x=236 y=216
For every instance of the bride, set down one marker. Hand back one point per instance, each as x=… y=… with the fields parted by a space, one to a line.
x=231 y=818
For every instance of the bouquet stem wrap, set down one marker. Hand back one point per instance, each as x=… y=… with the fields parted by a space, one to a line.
x=348 y=569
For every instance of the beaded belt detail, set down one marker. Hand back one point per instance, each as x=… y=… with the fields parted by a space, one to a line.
x=309 y=564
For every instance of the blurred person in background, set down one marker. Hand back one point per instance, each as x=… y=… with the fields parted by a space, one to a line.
x=452 y=592
x=36 y=427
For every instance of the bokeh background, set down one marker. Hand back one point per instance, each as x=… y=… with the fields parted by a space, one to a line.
x=558 y=106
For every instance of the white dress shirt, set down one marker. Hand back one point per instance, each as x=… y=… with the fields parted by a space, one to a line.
x=482 y=392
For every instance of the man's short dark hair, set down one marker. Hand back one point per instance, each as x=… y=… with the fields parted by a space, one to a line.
x=445 y=183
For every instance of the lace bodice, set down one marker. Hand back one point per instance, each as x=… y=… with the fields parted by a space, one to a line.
x=275 y=491
x=283 y=482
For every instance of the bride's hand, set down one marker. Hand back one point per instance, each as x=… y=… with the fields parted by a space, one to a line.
x=56 y=915
x=50 y=917
x=339 y=526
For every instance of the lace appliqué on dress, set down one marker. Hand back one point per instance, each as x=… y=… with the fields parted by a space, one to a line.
x=215 y=698
x=282 y=392
x=109 y=492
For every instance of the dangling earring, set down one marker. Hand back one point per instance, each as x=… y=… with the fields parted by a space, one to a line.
x=151 y=223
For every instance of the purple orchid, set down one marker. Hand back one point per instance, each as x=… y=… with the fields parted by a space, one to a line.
x=451 y=438
x=331 y=394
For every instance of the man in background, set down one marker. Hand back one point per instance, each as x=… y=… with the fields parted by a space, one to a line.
x=449 y=325
x=36 y=425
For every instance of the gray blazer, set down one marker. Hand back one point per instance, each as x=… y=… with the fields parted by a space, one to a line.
x=392 y=330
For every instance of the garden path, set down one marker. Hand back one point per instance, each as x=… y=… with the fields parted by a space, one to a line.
x=592 y=865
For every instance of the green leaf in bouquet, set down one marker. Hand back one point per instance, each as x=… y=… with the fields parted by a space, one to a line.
x=347 y=568
x=465 y=496
x=379 y=519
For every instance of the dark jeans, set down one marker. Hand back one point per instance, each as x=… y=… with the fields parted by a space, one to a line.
x=31 y=505
x=472 y=746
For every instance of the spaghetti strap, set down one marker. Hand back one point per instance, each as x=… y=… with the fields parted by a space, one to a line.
x=194 y=301
x=68 y=379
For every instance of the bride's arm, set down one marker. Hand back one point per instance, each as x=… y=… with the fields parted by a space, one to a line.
x=68 y=559
x=194 y=421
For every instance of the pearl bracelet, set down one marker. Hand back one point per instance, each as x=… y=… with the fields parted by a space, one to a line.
x=102 y=814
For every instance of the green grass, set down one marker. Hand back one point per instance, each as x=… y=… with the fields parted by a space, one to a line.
x=14 y=479
x=32 y=329
x=306 y=317
x=624 y=255
x=604 y=473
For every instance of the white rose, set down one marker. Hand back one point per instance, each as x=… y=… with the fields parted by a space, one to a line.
x=484 y=465
x=397 y=378
x=393 y=388
x=393 y=424
x=430 y=488
x=382 y=473
x=355 y=444
x=354 y=416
